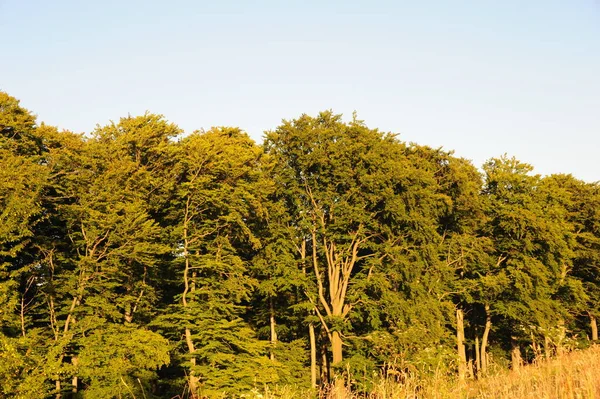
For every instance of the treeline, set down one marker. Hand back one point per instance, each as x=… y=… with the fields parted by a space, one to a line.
x=137 y=261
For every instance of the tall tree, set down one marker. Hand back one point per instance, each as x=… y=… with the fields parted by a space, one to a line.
x=581 y=202
x=356 y=200
x=23 y=180
x=219 y=197
x=104 y=280
x=532 y=245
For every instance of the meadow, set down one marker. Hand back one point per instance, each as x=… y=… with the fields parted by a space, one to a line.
x=573 y=375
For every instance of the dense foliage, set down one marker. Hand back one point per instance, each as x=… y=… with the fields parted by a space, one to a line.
x=137 y=261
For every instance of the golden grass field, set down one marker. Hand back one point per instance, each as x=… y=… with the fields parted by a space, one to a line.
x=574 y=375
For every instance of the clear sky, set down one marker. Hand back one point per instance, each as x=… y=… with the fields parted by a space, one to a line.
x=480 y=77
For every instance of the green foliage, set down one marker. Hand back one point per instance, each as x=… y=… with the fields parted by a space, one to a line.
x=533 y=243
x=21 y=369
x=120 y=361
x=138 y=262
x=17 y=128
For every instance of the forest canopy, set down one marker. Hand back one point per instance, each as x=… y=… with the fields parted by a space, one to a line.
x=139 y=261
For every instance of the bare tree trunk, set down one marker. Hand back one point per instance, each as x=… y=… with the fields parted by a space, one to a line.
x=337 y=272
x=325 y=363
x=129 y=312
x=337 y=354
x=311 y=326
x=460 y=344
x=477 y=355
x=333 y=277
x=470 y=369
x=74 y=361
x=313 y=355
x=325 y=371
x=516 y=360
x=272 y=324
x=24 y=305
x=74 y=383
x=23 y=315
x=484 y=339
x=189 y=286
x=193 y=379
x=77 y=298
x=336 y=348
x=56 y=331
x=594 y=327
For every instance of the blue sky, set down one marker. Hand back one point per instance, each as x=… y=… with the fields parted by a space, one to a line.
x=480 y=77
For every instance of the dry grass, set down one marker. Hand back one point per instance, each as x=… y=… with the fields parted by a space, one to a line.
x=575 y=375
x=571 y=376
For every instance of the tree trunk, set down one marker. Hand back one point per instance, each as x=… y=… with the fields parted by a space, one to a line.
x=130 y=310
x=193 y=379
x=325 y=372
x=336 y=348
x=55 y=329
x=484 y=339
x=273 y=332
x=516 y=360
x=477 y=355
x=460 y=343
x=189 y=286
x=338 y=268
x=311 y=328
x=594 y=327
x=74 y=384
x=547 y=348
x=313 y=355
x=74 y=361
x=128 y=315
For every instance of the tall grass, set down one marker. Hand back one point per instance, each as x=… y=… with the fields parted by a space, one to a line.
x=575 y=375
